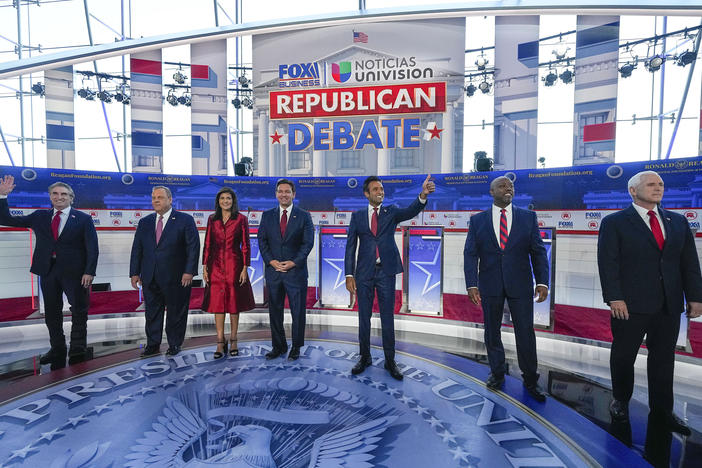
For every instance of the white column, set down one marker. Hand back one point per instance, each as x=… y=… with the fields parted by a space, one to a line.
x=447 y=137
x=263 y=144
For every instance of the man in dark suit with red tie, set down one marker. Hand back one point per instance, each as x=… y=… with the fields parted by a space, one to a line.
x=285 y=240
x=164 y=259
x=648 y=267
x=376 y=266
x=65 y=259
x=502 y=247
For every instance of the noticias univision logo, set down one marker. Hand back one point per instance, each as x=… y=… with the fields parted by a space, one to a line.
x=341 y=72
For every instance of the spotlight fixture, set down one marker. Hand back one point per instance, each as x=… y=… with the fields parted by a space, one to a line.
x=179 y=77
x=39 y=89
x=171 y=98
x=86 y=94
x=243 y=81
x=626 y=69
x=247 y=102
x=470 y=90
x=653 y=64
x=121 y=97
x=237 y=103
x=185 y=100
x=484 y=86
x=567 y=76
x=104 y=96
x=481 y=62
x=686 y=58
x=560 y=51
x=550 y=79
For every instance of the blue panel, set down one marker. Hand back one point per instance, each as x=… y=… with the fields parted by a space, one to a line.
x=603 y=105
x=530 y=114
x=196 y=142
x=528 y=53
x=60 y=132
x=154 y=140
x=203 y=151
x=60 y=116
x=147 y=125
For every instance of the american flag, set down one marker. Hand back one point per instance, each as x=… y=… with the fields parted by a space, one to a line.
x=360 y=37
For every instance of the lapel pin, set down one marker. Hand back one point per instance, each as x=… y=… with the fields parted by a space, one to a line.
x=73 y=216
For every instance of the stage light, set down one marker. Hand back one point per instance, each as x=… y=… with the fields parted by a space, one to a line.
x=104 y=96
x=243 y=81
x=247 y=102
x=481 y=62
x=686 y=58
x=86 y=94
x=171 y=99
x=121 y=97
x=185 y=100
x=567 y=76
x=626 y=69
x=179 y=77
x=484 y=86
x=39 y=89
x=470 y=90
x=237 y=103
x=654 y=63
x=550 y=79
x=560 y=51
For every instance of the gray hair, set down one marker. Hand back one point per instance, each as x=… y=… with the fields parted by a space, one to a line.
x=64 y=185
x=635 y=181
x=165 y=189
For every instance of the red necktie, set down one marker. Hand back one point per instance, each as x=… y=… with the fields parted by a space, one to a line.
x=55 y=223
x=159 y=229
x=503 y=229
x=656 y=228
x=283 y=223
x=374 y=228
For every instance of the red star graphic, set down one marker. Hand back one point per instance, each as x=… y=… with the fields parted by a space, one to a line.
x=276 y=137
x=436 y=132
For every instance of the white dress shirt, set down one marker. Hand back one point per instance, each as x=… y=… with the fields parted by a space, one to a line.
x=166 y=217
x=643 y=212
x=496 y=213
x=63 y=216
x=280 y=213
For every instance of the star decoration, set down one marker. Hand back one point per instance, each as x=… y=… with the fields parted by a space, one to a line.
x=419 y=266
x=329 y=371
x=122 y=398
x=168 y=383
x=375 y=384
x=392 y=391
x=208 y=373
x=51 y=435
x=99 y=409
x=459 y=454
x=74 y=422
x=421 y=410
x=448 y=437
x=296 y=367
x=406 y=400
x=337 y=263
x=188 y=378
x=146 y=390
x=313 y=368
x=252 y=270
x=435 y=132
x=276 y=137
x=433 y=422
x=23 y=452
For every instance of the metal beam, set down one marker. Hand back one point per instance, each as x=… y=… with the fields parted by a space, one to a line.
x=476 y=8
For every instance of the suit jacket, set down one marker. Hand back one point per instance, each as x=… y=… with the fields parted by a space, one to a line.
x=76 y=248
x=177 y=252
x=296 y=245
x=389 y=217
x=633 y=268
x=506 y=272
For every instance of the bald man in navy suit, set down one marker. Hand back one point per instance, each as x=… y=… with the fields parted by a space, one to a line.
x=65 y=259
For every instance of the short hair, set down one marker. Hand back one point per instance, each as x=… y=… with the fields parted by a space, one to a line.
x=494 y=181
x=165 y=189
x=368 y=181
x=635 y=181
x=64 y=185
x=285 y=181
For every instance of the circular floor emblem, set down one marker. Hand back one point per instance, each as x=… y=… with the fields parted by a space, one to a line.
x=192 y=411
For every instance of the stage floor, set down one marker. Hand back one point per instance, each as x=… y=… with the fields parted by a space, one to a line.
x=191 y=410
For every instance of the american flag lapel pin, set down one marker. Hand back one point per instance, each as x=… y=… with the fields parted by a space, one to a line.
x=73 y=216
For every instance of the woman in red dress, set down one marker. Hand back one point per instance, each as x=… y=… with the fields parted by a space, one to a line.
x=225 y=257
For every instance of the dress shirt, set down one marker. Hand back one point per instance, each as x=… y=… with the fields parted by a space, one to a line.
x=496 y=220
x=643 y=212
x=280 y=214
x=63 y=216
x=166 y=217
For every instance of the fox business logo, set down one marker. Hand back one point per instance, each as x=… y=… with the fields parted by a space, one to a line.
x=341 y=215
x=17 y=212
x=691 y=214
x=198 y=215
x=565 y=224
x=593 y=215
x=298 y=75
x=115 y=214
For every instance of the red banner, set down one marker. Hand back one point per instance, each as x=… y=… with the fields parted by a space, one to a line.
x=359 y=100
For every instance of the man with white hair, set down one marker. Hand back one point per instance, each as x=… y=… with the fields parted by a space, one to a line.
x=648 y=267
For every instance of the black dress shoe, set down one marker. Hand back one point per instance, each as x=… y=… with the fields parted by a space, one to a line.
x=294 y=353
x=151 y=350
x=361 y=365
x=494 y=382
x=172 y=350
x=619 y=411
x=395 y=373
x=58 y=364
x=536 y=392
x=274 y=353
x=675 y=424
x=77 y=355
x=52 y=355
